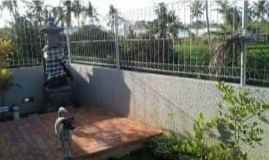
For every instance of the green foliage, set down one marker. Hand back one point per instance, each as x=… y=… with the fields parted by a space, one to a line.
x=241 y=115
x=142 y=154
x=6 y=78
x=93 y=33
x=166 y=146
x=198 y=146
x=257 y=59
x=166 y=24
x=221 y=138
x=260 y=9
x=199 y=52
x=231 y=13
x=28 y=42
x=6 y=49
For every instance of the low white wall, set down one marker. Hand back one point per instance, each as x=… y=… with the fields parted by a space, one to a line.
x=152 y=98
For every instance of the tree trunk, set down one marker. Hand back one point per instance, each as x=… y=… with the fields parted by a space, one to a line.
x=69 y=13
x=208 y=27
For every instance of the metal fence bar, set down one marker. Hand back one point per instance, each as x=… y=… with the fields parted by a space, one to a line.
x=136 y=41
x=116 y=39
x=244 y=50
x=68 y=46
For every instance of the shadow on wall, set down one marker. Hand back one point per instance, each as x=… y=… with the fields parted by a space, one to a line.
x=101 y=87
x=132 y=94
x=30 y=80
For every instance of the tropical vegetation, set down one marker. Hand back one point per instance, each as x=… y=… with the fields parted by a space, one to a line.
x=6 y=78
x=235 y=128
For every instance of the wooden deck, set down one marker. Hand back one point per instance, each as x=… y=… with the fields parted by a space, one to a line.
x=98 y=135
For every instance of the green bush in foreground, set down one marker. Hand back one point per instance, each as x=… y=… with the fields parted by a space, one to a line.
x=222 y=138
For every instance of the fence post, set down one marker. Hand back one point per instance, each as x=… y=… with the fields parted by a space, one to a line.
x=68 y=45
x=244 y=46
x=116 y=36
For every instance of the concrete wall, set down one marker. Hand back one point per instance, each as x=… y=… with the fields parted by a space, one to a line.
x=31 y=81
x=159 y=100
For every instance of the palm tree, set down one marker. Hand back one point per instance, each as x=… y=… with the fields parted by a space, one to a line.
x=112 y=10
x=260 y=9
x=113 y=16
x=166 y=23
x=197 y=11
x=68 y=12
x=35 y=11
x=231 y=15
x=11 y=6
x=77 y=10
x=198 y=8
x=228 y=36
x=163 y=17
x=91 y=13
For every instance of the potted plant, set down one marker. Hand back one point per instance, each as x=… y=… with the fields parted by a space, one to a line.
x=6 y=77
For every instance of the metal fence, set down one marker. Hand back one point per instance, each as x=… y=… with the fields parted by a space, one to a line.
x=202 y=39
x=192 y=38
x=28 y=43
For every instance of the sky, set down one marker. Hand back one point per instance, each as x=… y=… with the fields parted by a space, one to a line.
x=102 y=7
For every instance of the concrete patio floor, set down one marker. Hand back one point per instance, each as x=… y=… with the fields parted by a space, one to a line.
x=98 y=135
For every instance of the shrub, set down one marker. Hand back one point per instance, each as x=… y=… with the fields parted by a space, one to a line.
x=6 y=48
x=221 y=138
x=239 y=120
x=6 y=78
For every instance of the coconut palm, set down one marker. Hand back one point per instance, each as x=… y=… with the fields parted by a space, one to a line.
x=114 y=18
x=35 y=11
x=77 y=9
x=68 y=12
x=11 y=6
x=228 y=36
x=166 y=24
x=91 y=13
x=197 y=11
x=231 y=15
x=163 y=19
x=260 y=9
x=113 y=13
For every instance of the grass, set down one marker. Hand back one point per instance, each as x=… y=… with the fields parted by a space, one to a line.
x=196 y=52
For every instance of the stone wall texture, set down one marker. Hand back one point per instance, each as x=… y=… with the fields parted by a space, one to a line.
x=168 y=102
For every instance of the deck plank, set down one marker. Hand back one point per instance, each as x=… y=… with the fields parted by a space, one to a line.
x=96 y=132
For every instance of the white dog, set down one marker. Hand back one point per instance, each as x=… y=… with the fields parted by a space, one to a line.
x=58 y=126
x=63 y=135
